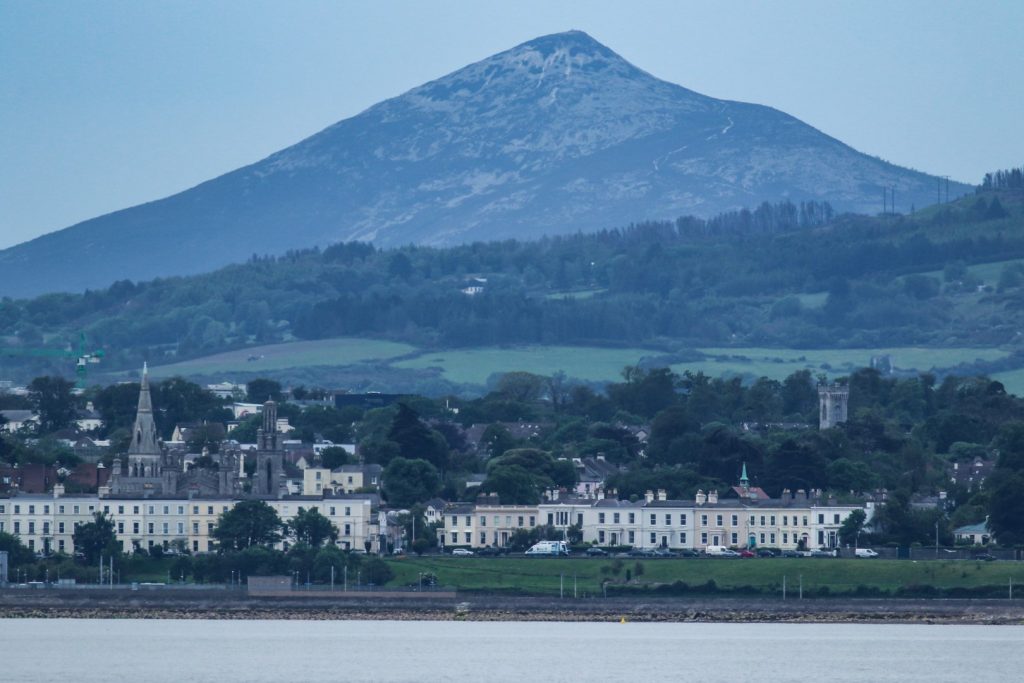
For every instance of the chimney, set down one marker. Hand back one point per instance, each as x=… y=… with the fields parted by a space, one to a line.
x=786 y=494
x=700 y=499
x=662 y=495
x=713 y=496
x=649 y=495
x=600 y=458
x=600 y=493
x=58 y=490
x=801 y=494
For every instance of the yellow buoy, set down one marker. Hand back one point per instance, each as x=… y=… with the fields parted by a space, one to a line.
x=622 y=620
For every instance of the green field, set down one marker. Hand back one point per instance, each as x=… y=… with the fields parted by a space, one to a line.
x=840 y=576
x=474 y=366
x=988 y=273
x=338 y=351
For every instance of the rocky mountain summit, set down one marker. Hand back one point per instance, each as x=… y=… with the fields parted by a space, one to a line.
x=556 y=135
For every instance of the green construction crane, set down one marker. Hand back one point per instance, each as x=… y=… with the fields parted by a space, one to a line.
x=82 y=357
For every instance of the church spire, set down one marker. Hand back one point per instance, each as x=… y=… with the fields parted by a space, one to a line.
x=144 y=435
x=744 y=480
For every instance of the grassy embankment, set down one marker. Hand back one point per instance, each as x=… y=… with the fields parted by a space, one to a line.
x=542 y=576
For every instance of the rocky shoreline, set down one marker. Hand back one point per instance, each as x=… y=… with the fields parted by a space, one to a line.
x=75 y=605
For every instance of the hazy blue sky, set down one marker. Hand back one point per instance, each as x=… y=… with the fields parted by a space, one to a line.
x=108 y=104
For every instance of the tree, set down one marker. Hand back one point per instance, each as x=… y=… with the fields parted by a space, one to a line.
x=377 y=571
x=522 y=387
x=334 y=457
x=852 y=526
x=53 y=400
x=263 y=390
x=17 y=553
x=415 y=439
x=312 y=528
x=513 y=484
x=408 y=481
x=249 y=523
x=96 y=538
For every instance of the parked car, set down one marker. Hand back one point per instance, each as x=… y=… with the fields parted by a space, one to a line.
x=462 y=552
x=985 y=557
x=664 y=553
x=766 y=552
x=791 y=553
x=823 y=552
x=488 y=551
x=596 y=552
x=747 y=553
x=720 y=551
x=865 y=553
x=688 y=552
x=641 y=552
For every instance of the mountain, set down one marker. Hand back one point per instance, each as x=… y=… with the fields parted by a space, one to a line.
x=557 y=135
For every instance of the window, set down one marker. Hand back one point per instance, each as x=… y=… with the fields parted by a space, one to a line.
x=654 y=538
x=805 y=520
x=821 y=518
x=654 y=519
x=468 y=538
x=682 y=520
x=151 y=509
x=120 y=527
x=762 y=520
x=773 y=520
x=772 y=539
x=181 y=509
x=520 y=520
x=120 y=509
x=135 y=509
x=835 y=518
x=469 y=520
x=209 y=509
x=31 y=527
x=348 y=513
x=762 y=539
x=455 y=536
x=166 y=528
x=31 y=509
x=551 y=519
x=17 y=527
x=348 y=530
x=735 y=520
x=195 y=509
x=17 y=509
x=600 y=537
x=785 y=520
x=167 y=509
x=533 y=520
x=483 y=538
x=46 y=509
x=106 y=509
x=579 y=519
x=615 y=517
x=632 y=537
x=151 y=528
x=181 y=528
x=60 y=527
x=483 y=520
x=600 y=518
x=60 y=546
x=195 y=528
x=704 y=538
x=718 y=520
x=668 y=520
x=60 y=509
x=632 y=518
x=735 y=538
x=46 y=528
x=195 y=546
x=703 y=520
x=135 y=527
x=785 y=539
x=508 y=520
x=73 y=509
x=682 y=537
x=333 y=512
x=319 y=475
x=209 y=528
x=3 y=508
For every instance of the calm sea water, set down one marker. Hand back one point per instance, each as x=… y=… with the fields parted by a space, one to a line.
x=86 y=650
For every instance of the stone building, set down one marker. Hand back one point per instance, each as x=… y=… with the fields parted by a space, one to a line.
x=832 y=404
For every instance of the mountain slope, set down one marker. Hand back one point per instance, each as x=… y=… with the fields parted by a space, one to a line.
x=556 y=135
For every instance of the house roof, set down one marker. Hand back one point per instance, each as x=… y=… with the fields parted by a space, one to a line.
x=979 y=528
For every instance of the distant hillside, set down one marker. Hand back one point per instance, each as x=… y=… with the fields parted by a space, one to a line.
x=555 y=136
x=948 y=277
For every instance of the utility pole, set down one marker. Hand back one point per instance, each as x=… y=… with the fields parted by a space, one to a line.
x=783 y=586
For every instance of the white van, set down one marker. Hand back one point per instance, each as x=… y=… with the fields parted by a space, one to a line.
x=548 y=548
x=865 y=552
x=720 y=551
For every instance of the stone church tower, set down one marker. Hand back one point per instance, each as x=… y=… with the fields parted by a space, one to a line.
x=270 y=478
x=832 y=404
x=145 y=455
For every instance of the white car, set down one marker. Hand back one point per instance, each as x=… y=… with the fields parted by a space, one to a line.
x=865 y=552
x=461 y=552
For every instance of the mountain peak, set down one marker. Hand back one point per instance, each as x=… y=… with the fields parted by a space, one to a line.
x=556 y=135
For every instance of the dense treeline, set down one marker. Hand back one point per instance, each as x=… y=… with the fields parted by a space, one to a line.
x=1009 y=179
x=735 y=279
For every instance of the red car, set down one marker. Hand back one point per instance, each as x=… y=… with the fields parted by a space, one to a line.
x=747 y=553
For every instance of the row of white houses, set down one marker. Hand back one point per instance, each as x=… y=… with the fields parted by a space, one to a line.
x=751 y=520
x=46 y=522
